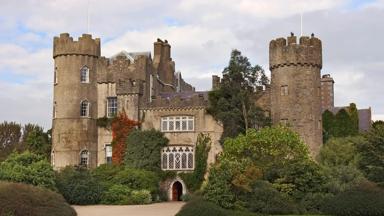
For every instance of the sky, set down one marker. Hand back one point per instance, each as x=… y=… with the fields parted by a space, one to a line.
x=202 y=34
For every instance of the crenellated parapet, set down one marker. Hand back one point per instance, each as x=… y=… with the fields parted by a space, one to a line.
x=85 y=45
x=287 y=52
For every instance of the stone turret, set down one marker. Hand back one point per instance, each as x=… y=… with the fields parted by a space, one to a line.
x=295 y=87
x=74 y=131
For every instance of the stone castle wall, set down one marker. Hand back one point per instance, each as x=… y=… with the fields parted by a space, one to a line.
x=295 y=87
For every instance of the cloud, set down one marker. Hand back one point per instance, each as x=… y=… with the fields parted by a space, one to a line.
x=202 y=34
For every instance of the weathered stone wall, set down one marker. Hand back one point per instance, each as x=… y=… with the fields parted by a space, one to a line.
x=327 y=92
x=204 y=123
x=71 y=133
x=295 y=87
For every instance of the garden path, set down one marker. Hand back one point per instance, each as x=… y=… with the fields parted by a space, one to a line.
x=157 y=209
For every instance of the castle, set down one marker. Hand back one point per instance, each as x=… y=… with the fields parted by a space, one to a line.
x=88 y=86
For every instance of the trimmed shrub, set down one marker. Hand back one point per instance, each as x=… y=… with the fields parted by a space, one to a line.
x=200 y=207
x=123 y=195
x=137 y=179
x=267 y=200
x=28 y=168
x=78 y=186
x=116 y=194
x=105 y=174
x=141 y=197
x=25 y=200
x=366 y=199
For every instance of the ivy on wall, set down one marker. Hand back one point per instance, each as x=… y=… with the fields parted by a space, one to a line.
x=344 y=123
x=121 y=127
x=195 y=179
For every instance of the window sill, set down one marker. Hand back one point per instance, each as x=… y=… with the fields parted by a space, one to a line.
x=189 y=131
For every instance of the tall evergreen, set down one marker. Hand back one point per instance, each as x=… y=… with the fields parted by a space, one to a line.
x=233 y=103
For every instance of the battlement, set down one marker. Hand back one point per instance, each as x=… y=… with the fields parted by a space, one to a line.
x=287 y=52
x=85 y=45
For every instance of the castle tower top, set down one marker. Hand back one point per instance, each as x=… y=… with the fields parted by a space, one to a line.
x=65 y=45
x=287 y=52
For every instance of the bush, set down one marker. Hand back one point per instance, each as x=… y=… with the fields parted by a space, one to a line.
x=366 y=199
x=123 y=195
x=200 y=207
x=137 y=179
x=267 y=200
x=105 y=174
x=25 y=200
x=141 y=197
x=116 y=194
x=78 y=186
x=28 y=168
x=313 y=202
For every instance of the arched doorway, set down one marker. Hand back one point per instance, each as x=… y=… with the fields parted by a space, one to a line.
x=177 y=191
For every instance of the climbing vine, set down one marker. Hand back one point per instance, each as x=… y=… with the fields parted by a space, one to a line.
x=121 y=127
x=195 y=179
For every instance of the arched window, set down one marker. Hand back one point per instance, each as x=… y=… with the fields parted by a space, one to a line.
x=190 y=160
x=170 y=161
x=84 y=74
x=177 y=158
x=84 y=108
x=84 y=158
x=165 y=161
x=184 y=161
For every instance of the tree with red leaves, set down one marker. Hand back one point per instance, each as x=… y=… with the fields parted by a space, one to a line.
x=121 y=127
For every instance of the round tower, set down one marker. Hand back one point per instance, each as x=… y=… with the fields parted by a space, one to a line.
x=74 y=130
x=295 y=87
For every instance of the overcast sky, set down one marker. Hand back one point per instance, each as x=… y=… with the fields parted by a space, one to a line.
x=202 y=34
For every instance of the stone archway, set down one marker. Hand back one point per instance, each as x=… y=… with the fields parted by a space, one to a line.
x=177 y=191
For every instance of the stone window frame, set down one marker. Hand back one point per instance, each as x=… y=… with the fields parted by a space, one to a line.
x=108 y=153
x=111 y=107
x=85 y=107
x=84 y=158
x=84 y=74
x=177 y=123
x=178 y=158
x=284 y=90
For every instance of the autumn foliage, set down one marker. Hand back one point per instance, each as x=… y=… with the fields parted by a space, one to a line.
x=121 y=127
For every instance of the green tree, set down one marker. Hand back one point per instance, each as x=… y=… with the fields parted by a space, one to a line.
x=339 y=157
x=10 y=135
x=371 y=152
x=38 y=142
x=28 y=168
x=143 y=149
x=276 y=154
x=266 y=148
x=233 y=103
